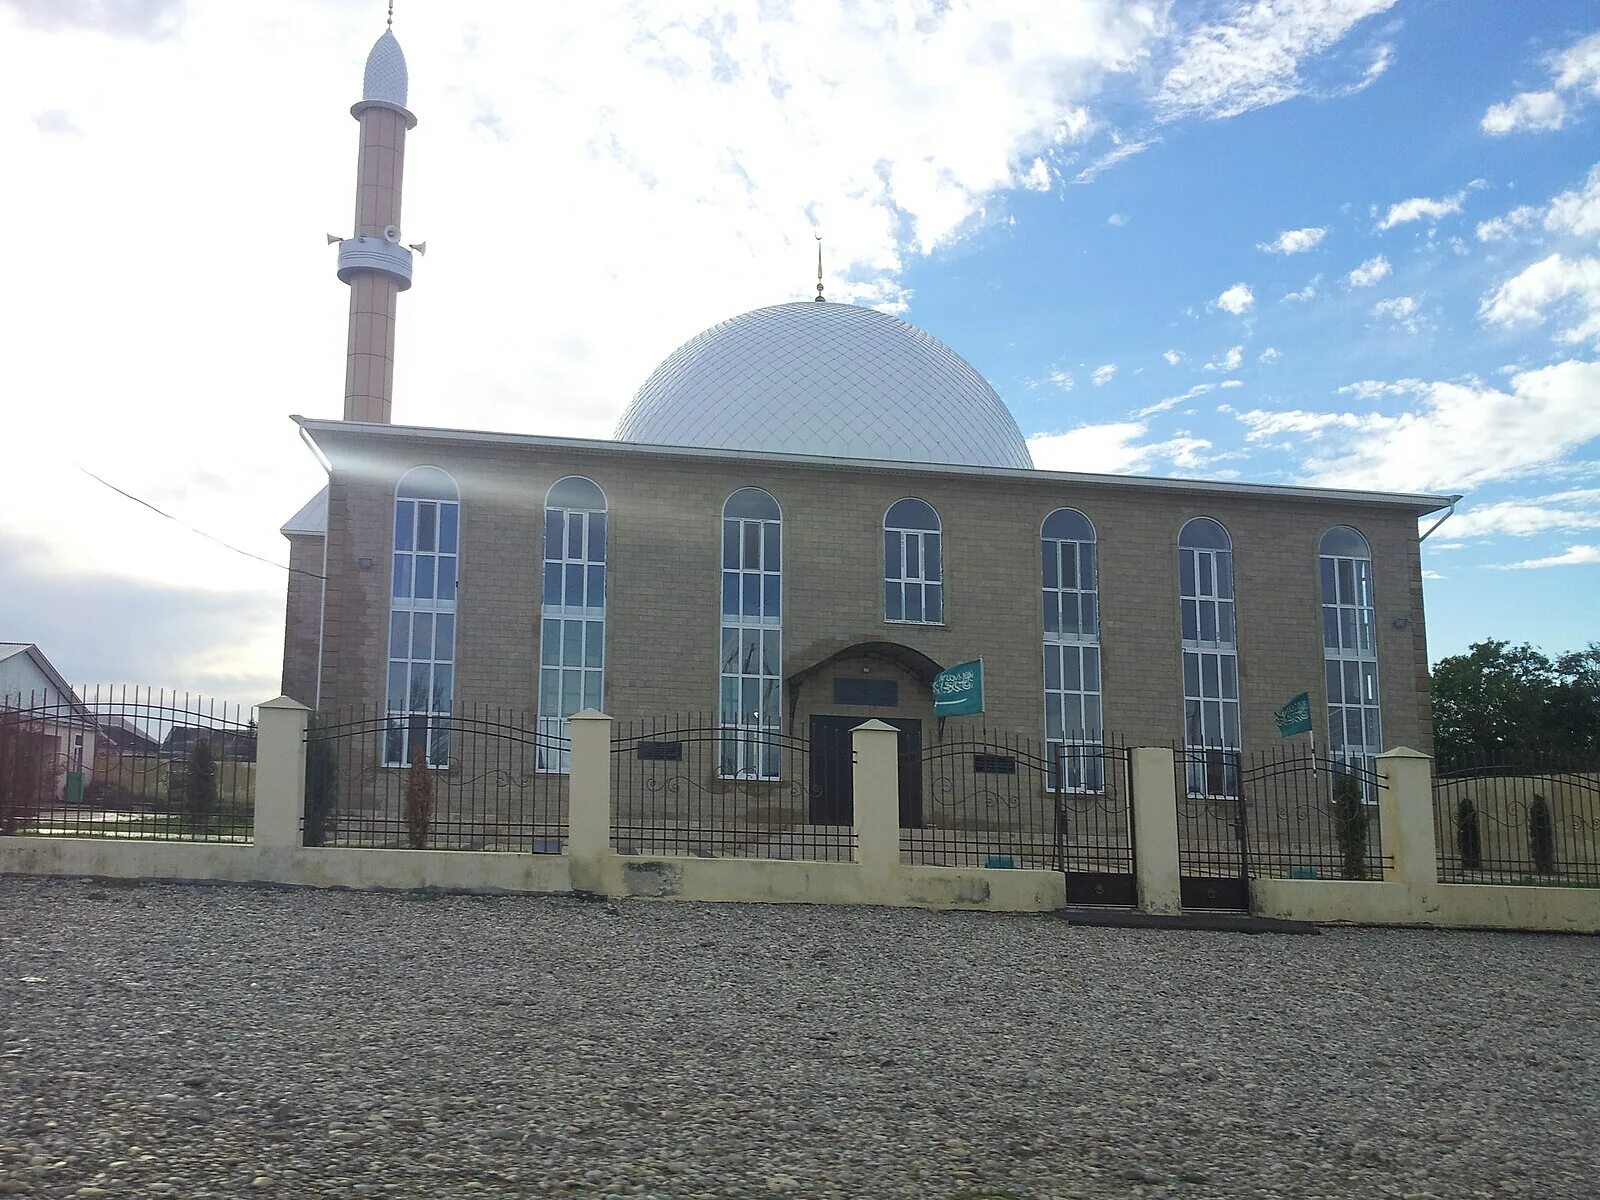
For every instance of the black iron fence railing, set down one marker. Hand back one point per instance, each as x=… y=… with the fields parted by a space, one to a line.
x=1311 y=818
x=977 y=797
x=127 y=762
x=481 y=778
x=1518 y=818
x=687 y=786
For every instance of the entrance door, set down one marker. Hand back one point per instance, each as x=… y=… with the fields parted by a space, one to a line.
x=833 y=774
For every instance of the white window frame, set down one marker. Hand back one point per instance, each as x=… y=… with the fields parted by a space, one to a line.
x=1350 y=655
x=905 y=565
x=423 y=489
x=748 y=737
x=1212 y=711
x=1070 y=582
x=572 y=637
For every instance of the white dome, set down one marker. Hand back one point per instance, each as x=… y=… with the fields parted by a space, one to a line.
x=828 y=379
x=385 y=80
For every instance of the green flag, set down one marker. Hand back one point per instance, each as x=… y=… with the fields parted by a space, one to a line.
x=958 y=690
x=1295 y=716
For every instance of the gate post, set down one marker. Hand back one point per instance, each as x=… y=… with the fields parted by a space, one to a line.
x=876 y=780
x=1155 y=829
x=280 y=772
x=1405 y=816
x=589 y=799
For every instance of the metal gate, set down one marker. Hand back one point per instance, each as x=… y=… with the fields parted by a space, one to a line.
x=1094 y=824
x=1213 y=831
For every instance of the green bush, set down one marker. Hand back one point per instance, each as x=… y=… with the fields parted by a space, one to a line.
x=200 y=786
x=419 y=796
x=322 y=787
x=1469 y=837
x=1541 y=836
x=1351 y=822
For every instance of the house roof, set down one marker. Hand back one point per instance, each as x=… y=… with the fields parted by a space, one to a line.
x=323 y=435
x=9 y=650
x=312 y=517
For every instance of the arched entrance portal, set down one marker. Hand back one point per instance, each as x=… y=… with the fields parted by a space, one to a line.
x=828 y=699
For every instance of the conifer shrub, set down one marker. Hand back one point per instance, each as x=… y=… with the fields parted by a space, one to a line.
x=1351 y=823
x=1541 y=836
x=200 y=785
x=419 y=799
x=322 y=787
x=1469 y=836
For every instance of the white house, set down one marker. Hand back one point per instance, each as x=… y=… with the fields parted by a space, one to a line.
x=29 y=683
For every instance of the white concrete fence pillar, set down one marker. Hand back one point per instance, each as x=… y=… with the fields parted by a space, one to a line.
x=589 y=800
x=1155 y=829
x=280 y=772
x=876 y=782
x=1405 y=816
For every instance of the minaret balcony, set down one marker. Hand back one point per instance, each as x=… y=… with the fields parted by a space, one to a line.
x=359 y=255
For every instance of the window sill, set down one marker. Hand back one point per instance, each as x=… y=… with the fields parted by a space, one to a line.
x=926 y=624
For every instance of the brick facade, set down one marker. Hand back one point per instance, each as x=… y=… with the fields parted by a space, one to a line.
x=663 y=582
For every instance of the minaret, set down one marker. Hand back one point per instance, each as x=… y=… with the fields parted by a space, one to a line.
x=373 y=262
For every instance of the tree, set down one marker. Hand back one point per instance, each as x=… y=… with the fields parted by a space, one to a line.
x=200 y=785
x=1503 y=700
x=419 y=796
x=1351 y=824
x=1469 y=836
x=322 y=786
x=1541 y=836
x=27 y=769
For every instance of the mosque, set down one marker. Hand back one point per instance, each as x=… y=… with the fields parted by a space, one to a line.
x=807 y=511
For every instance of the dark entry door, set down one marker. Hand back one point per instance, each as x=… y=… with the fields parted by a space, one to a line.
x=833 y=775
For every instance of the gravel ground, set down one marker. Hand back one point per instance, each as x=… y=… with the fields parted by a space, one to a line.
x=224 y=1041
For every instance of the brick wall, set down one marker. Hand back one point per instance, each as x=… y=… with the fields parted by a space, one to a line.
x=664 y=584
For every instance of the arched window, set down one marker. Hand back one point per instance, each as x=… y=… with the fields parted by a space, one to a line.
x=422 y=617
x=752 y=635
x=1350 y=648
x=913 y=566
x=572 y=626
x=1210 y=658
x=1071 y=579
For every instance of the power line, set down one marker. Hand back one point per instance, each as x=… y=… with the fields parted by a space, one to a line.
x=209 y=537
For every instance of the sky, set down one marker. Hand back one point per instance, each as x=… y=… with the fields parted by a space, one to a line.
x=1341 y=242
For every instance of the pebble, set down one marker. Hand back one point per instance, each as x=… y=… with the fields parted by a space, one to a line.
x=337 y=1044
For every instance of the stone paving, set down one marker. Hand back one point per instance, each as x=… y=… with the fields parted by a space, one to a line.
x=163 y=1040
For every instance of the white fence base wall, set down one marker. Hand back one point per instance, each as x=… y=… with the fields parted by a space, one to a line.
x=1447 y=905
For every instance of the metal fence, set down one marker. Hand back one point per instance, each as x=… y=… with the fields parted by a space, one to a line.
x=1519 y=819
x=986 y=798
x=1311 y=818
x=685 y=786
x=127 y=762
x=487 y=780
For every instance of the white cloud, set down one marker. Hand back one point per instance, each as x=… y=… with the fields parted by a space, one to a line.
x=1429 y=574
x=1293 y=241
x=1251 y=57
x=56 y=120
x=1497 y=229
x=1160 y=406
x=1421 y=208
x=1402 y=311
x=1555 y=282
x=1231 y=383
x=1578 y=66
x=1115 y=448
x=1309 y=292
x=1038 y=177
x=1237 y=300
x=1269 y=355
x=1117 y=220
x=1229 y=361
x=1577 y=212
x=1104 y=373
x=1456 y=435
x=1369 y=272
x=1119 y=152
x=1558 y=513
x=1173 y=357
x=1573 y=557
x=1062 y=379
x=1527 y=110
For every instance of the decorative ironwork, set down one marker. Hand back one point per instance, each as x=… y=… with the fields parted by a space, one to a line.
x=1213 y=860
x=692 y=804
x=1311 y=818
x=497 y=786
x=1519 y=818
x=989 y=800
x=125 y=762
